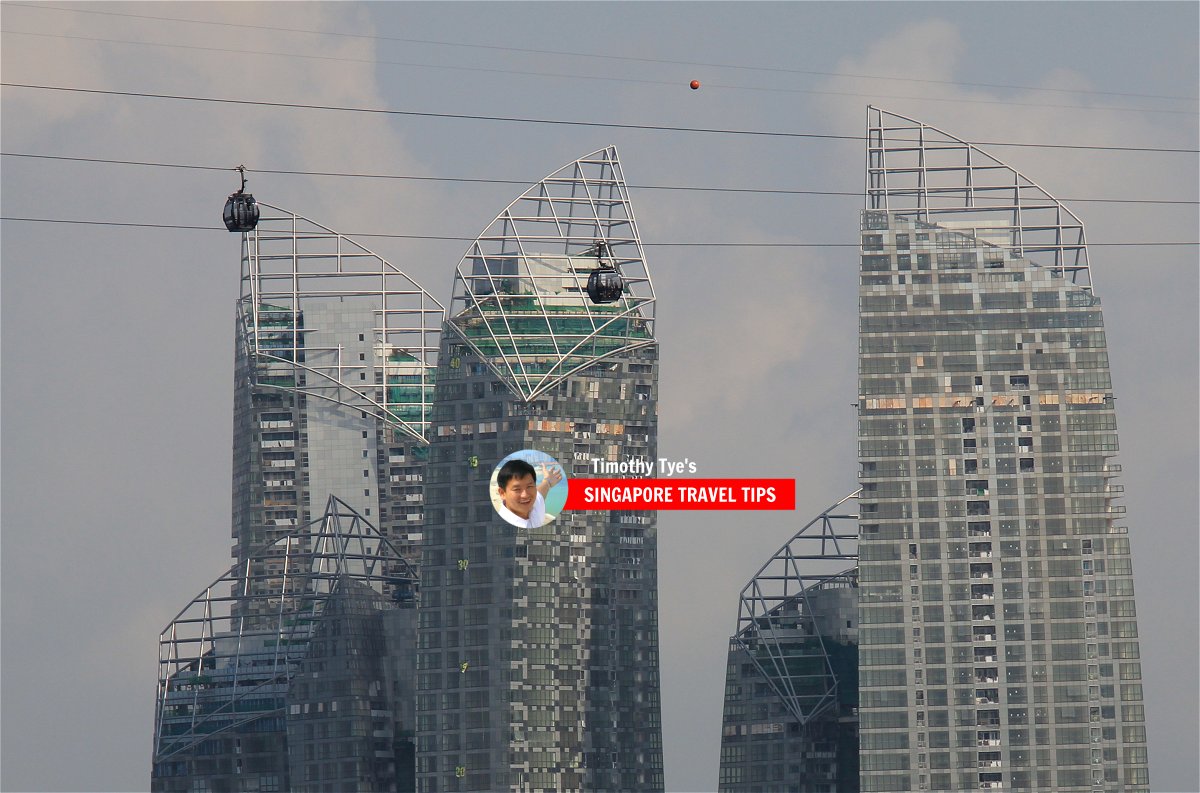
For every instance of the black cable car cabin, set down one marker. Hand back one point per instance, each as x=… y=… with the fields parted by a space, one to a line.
x=241 y=211
x=605 y=283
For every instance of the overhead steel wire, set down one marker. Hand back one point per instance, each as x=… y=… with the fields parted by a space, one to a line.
x=602 y=56
x=525 y=182
x=72 y=221
x=561 y=122
x=603 y=78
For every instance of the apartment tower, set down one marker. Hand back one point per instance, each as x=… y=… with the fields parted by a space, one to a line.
x=292 y=671
x=997 y=630
x=538 y=647
x=791 y=684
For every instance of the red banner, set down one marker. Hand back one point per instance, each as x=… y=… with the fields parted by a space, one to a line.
x=662 y=494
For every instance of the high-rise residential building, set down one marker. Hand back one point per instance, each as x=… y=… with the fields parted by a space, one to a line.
x=311 y=693
x=998 y=641
x=292 y=671
x=538 y=647
x=791 y=684
x=335 y=357
x=995 y=623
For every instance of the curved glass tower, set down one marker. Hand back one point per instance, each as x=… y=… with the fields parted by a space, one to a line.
x=335 y=357
x=317 y=695
x=791 y=685
x=336 y=349
x=520 y=302
x=998 y=639
x=538 y=647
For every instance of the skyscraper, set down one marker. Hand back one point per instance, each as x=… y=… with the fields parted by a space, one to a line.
x=334 y=366
x=293 y=670
x=791 y=684
x=538 y=647
x=311 y=693
x=998 y=635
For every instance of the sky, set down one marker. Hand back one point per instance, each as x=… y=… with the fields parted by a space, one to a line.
x=117 y=341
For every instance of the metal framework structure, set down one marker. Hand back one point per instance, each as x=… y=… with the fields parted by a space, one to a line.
x=915 y=170
x=219 y=671
x=520 y=298
x=780 y=613
x=291 y=264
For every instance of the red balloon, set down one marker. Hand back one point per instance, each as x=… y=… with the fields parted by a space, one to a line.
x=695 y=84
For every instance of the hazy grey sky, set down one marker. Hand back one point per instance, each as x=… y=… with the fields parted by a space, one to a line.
x=118 y=342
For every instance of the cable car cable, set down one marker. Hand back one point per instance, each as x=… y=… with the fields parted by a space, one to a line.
x=528 y=182
x=527 y=73
x=356 y=235
x=603 y=56
x=565 y=122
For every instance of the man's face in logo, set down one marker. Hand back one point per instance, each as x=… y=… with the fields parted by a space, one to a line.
x=519 y=495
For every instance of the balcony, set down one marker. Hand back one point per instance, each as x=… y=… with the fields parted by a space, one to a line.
x=978 y=508
x=1109 y=469
x=983 y=592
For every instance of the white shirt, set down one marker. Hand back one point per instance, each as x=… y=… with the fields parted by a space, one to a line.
x=537 y=515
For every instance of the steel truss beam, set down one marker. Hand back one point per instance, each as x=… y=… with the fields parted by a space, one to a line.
x=228 y=657
x=915 y=170
x=782 y=610
x=290 y=264
x=520 y=298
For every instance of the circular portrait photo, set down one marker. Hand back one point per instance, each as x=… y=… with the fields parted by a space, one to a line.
x=528 y=488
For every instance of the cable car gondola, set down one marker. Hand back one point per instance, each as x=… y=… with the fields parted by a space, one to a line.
x=241 y=211
x=604 y=284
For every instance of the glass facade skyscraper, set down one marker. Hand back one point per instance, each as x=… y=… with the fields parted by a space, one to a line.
x=293 y=671
x=313 y=690
x=538 y=647
x=791 y=685
x=998 y=634
x=335 y=357
x=995 y=625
